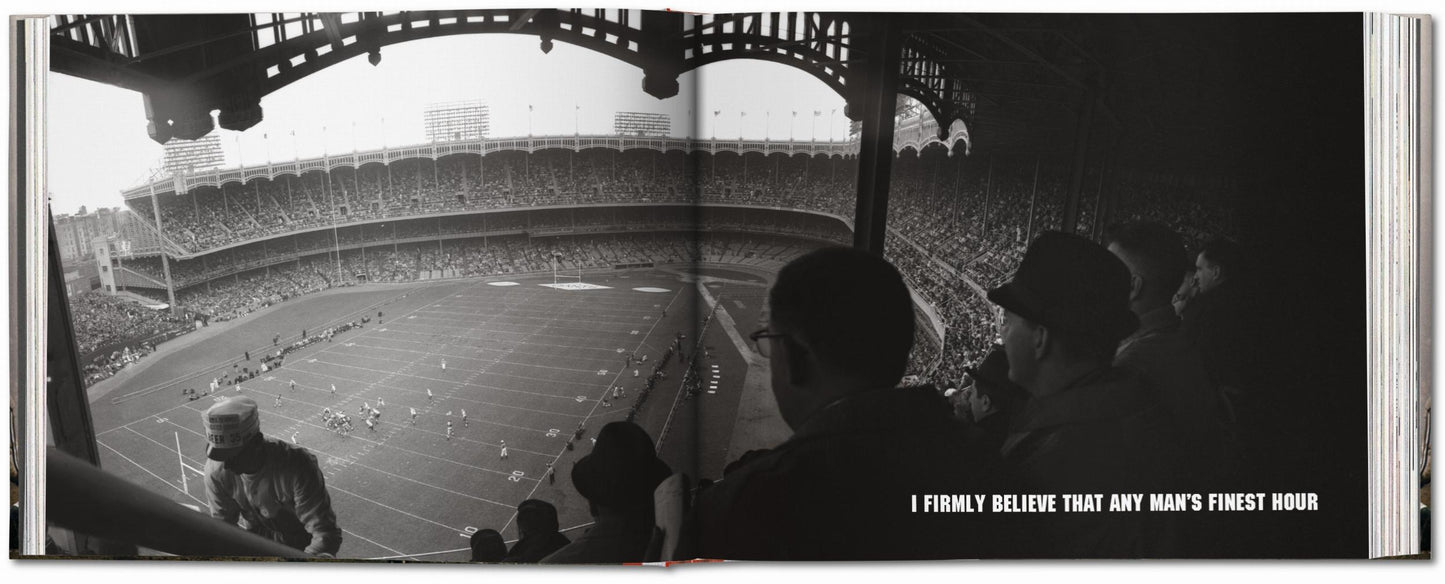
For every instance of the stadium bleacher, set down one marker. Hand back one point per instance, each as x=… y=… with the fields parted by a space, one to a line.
x=957 y=226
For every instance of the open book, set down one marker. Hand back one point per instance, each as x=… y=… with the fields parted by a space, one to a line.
x=573 y=286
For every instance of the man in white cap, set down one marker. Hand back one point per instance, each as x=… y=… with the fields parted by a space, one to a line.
x=266 y=486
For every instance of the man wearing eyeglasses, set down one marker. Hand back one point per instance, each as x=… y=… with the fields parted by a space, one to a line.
x=839 y=330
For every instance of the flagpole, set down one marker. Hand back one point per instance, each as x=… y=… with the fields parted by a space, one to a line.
x=331 y=200
x=385 y=154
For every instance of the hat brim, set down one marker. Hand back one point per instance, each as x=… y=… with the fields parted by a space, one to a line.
x=1011 y=298
x=223 y=454
x=597 y=485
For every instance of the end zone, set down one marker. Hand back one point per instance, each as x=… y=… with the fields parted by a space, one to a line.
x=576 y=286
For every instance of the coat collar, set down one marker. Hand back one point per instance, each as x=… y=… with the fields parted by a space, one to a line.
x=875 y=409
x=1105 y=394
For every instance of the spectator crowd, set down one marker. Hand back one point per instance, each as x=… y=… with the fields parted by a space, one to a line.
x=957 y=226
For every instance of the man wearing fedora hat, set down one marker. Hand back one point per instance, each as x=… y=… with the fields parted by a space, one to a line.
x=617 y=479
x=839 y=330
x=1087 y=427
x=266 y=486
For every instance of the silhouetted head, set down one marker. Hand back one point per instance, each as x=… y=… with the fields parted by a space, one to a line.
x=839 y=320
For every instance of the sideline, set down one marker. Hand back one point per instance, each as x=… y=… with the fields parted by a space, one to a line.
x=759 y=424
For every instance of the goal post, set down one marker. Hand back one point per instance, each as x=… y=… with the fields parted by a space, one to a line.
x=185 y=486
x=559 y=277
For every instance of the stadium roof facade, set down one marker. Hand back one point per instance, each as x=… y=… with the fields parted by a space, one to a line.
x=1097 y=90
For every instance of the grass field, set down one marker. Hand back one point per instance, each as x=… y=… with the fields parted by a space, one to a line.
x=527 y=363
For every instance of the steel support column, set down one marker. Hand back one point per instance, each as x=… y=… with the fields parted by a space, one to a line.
x=875 y=149
x=1070 y=221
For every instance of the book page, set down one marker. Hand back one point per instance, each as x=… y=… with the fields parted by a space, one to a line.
x=469 y=286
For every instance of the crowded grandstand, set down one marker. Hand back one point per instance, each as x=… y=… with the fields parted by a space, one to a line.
x=958 y=225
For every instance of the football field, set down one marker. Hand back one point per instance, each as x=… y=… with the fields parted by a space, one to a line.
x=519 y=363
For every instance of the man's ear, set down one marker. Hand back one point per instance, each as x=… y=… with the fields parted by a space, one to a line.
x=1136 y=287
x=987 y=403
x=1041 y=344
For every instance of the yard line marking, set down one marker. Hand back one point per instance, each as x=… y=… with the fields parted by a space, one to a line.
x=147 y=418
x=424 y=554
x=464 y=357
x=389 y=507
x=430 y=334
x=370 y=541
x=411 y=390
x=148 y=471
x=595 y=405
x=499 y=318
x=483 y=350
x=165 y=447
x=444 y=380
x=380 y=444
x=448 y=381
x=428 y=485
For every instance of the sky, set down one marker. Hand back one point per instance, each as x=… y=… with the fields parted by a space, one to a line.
x=99 y=147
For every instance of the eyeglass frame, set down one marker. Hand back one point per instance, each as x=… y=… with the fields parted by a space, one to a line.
x=756 y=338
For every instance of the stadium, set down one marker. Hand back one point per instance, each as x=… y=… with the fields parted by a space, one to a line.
x=447 y=324
x=432 y=245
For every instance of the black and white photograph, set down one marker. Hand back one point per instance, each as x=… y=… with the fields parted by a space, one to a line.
x=626 y=286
